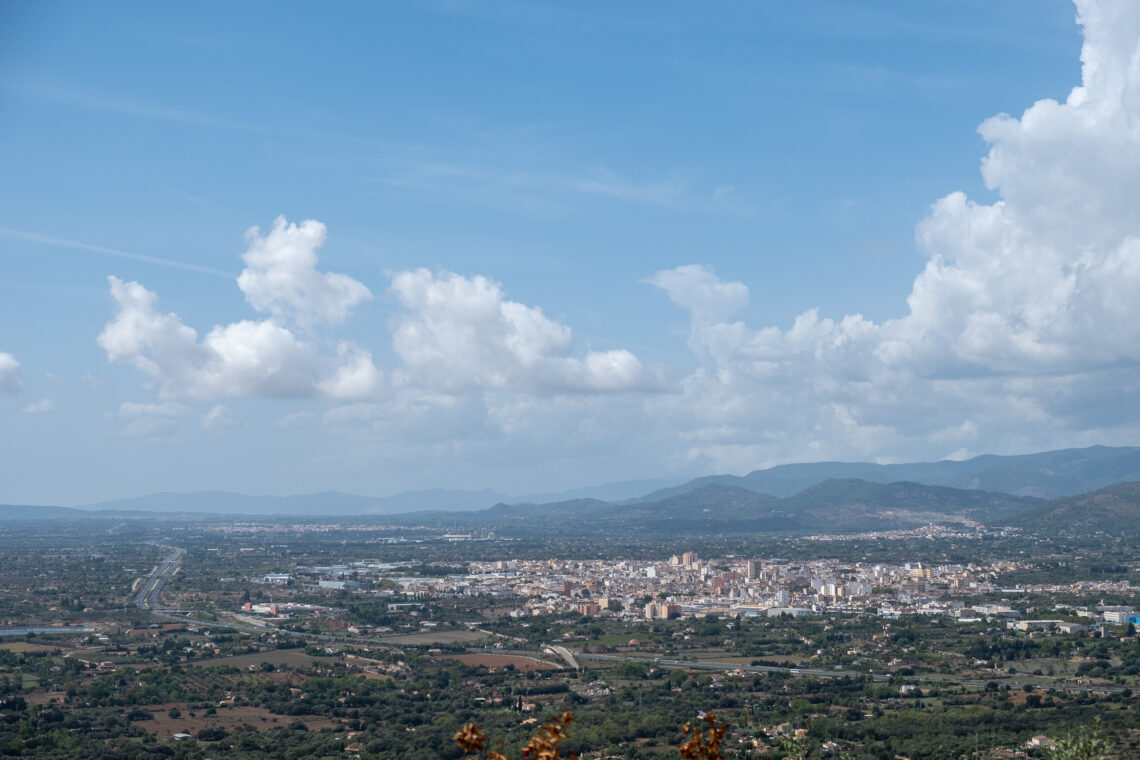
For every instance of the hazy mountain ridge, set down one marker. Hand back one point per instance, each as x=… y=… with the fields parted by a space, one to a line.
x=748 y=500
x=1115 y=509
x=845 y=499
x=613 y=491
x=339 y=503
x=1045 y=475
x=22 y=512
x=324 y=503
x=835 y=506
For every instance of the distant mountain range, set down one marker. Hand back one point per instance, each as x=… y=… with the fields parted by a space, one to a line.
x=1087 y=487
x=617 y=491
x=831 y=507
x=12 y=512
x=337 y=503
x=1047 y=475
x=834 y=506
x=325 y=503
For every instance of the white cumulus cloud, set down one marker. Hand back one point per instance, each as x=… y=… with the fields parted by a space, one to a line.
x=353 y=375
x=461 y=332
x=454 y=335
x=39 y=407
x=1022 y=330
x=219 y=416
x=697 y=289
x=243 y=358
x=130 y=409
x=281 y=277
x=155 y=429
x=250 y=358
x=11 y=375
x=153 y=421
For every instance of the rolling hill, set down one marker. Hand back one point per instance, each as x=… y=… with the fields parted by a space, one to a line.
x=1114 y=510
x=1046 y=475
x=835 y=506
x=326 y=503
x=13 y=512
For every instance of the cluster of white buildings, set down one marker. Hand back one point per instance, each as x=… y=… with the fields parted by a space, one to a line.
x=686 y=586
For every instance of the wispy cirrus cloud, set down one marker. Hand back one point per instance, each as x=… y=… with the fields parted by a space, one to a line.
x=65 y=96
x=529 y=190
x=57 y=242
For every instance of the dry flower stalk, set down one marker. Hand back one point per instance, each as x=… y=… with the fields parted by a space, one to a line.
x=543 y=744
x=703 y=744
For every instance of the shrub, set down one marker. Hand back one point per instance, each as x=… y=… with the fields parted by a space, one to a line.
x=1086 y=744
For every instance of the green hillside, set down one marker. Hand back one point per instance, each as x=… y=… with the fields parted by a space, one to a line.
x=1115 y=509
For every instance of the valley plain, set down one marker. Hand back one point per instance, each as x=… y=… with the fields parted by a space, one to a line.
x=853 y=618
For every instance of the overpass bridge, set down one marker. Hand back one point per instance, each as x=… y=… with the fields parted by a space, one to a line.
x=564 y=653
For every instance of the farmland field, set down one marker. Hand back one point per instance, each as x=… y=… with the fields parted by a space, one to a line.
x=27 y=646
x=228 y=718
x=522 y=664
x=289 y=658
x=436 y=637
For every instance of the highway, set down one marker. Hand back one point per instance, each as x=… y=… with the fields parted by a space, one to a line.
x=565 y=654
x=149 y=596
x=820 y=673
x=722 y=667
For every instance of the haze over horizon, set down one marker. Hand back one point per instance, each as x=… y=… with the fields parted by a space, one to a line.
x=539 y=248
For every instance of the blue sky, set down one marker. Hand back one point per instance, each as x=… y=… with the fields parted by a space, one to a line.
x=573 y=242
